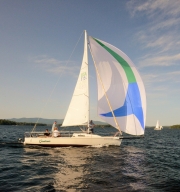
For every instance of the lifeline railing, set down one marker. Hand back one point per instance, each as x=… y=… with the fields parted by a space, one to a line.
x=39 y=134
x=63 y=134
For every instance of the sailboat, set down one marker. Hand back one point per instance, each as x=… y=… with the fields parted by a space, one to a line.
x=121 y=99
x=158 y=126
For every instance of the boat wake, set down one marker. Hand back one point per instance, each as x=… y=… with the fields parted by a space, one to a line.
x=98 y=146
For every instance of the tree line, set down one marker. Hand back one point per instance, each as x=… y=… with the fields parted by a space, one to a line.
x=7 y=122
x=175 y=126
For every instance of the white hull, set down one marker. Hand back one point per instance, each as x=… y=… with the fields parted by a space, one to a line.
x=77 y=140
x=157 y=129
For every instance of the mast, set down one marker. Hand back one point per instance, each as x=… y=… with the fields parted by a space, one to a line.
x=86 y=54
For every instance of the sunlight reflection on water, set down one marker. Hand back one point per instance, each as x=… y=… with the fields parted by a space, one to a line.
x=149 y=164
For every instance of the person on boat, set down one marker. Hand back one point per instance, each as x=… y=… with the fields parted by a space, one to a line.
x=91 y=127
x=47 y=133
x=56 y=133
x=53 y=126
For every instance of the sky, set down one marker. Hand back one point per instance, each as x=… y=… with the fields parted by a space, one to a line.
x=41 y=49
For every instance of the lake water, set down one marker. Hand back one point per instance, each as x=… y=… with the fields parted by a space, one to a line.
x=149 y=164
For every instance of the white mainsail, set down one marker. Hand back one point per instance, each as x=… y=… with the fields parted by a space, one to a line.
x=123 y=86
x=78 y=111
x=157 y=124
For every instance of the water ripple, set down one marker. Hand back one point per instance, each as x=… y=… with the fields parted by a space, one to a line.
x=149 y=164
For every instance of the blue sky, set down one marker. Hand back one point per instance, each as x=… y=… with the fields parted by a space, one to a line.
x=40 y=58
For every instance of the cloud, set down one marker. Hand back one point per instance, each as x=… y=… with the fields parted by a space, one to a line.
x=161 y=81
x=55 y=66
x=168 y=22
x=164 y=60
x=48 y=61
x=158 y=35
x=161 y=86
x=155 y=7
x=159 y=43
x=174 y=73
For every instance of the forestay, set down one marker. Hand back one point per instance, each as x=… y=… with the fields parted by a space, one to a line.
x=123 y=86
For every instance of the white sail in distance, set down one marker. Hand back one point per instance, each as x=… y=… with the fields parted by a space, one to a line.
x=157 y=124
x=123 y=87
x=78 y=111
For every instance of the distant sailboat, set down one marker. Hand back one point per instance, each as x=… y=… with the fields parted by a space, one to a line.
x=121 y=99
x=158 y=126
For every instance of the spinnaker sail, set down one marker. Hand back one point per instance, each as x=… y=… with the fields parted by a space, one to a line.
x=123 y=86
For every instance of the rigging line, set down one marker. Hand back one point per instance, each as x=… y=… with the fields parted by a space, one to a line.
x=117 y=125
x=56 y=84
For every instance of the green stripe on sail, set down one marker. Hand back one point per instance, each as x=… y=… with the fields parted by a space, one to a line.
x=129 y=73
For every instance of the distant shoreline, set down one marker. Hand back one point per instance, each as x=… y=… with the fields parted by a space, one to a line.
x=175 y=127
x=8 y=122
